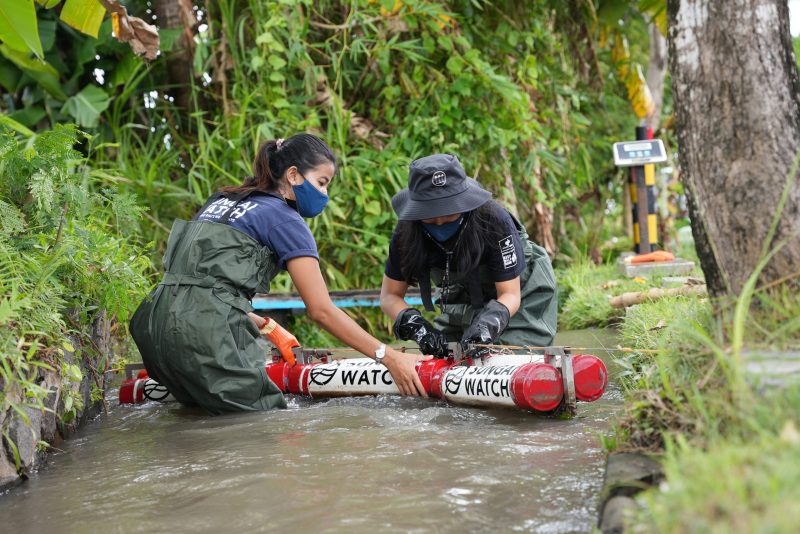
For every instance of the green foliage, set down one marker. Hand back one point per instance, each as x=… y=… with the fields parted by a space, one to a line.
x=691 y=399
x=663 y=322
x=796 y=47
x=84 y=15
x=87 y=105
x=728 y=429
x=65 y=258
x=18 y=28
x=524 y=93
x=688 y=380
x=71 y=76
x=745 y=484
x=71 y=377
x=529 y=109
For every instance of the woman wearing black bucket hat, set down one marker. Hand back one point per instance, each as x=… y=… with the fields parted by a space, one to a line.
x=494 y=284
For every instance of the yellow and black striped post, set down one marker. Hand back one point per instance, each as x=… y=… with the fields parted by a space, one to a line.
x=643 y=200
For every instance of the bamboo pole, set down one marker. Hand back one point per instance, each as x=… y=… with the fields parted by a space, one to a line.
x=629 y=299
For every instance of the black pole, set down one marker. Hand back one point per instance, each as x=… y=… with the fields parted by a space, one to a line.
x=642 y=212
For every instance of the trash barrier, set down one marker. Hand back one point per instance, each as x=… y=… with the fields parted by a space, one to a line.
x=546 y=383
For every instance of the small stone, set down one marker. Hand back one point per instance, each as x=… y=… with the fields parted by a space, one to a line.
x=629 y=472
x=616 y=510
x=8 y=471
x=26 y=437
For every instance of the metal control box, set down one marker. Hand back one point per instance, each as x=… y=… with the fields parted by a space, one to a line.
x=633 y=153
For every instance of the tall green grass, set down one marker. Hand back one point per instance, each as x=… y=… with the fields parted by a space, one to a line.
x=730 y=439
x=735 y=484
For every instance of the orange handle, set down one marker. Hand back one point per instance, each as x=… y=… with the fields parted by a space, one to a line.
x=658 y=255
x=283 y=340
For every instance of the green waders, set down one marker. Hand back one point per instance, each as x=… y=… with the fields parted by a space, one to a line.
x=534 y=324
x=193 y=330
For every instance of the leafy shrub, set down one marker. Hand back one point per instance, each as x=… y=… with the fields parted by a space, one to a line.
x=65 y=259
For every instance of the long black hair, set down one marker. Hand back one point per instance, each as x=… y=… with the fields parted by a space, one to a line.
x=304 y=151
x=482 y=227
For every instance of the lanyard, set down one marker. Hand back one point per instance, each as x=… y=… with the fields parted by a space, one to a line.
x=448 y=257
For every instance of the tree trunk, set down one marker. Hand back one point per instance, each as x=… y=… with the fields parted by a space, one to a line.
x=735 y=90
x=178 y=14
x=656 y=71
x=541 y=215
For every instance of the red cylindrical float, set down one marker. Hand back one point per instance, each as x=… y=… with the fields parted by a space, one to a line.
x=294 y=378
x=428 y=372
x=136 y=390
x=591 y=377
x=278 y=372
x=538 y=387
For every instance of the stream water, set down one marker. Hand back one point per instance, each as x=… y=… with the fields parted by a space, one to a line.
x=386 y=464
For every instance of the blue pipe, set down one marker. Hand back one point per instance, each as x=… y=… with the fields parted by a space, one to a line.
x=292 y=303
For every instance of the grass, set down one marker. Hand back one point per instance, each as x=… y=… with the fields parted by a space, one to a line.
x=584 y=290
x=729 y=443
x=744 y=481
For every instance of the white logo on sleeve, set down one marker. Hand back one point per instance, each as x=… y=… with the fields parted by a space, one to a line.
x=508 y=252
x=439 y=178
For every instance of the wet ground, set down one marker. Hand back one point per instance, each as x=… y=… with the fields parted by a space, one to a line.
x=385 y=464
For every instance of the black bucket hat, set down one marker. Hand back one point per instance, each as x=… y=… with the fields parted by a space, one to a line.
x=438 y=186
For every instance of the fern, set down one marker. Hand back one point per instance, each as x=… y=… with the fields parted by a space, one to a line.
x=12 y=221
x=66 y=255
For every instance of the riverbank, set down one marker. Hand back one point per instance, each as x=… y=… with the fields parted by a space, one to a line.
x=72 y=399
x=701 y=399
x=71 y=272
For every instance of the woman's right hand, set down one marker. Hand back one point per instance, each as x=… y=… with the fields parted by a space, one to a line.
x=402 y=367
x=411 y=326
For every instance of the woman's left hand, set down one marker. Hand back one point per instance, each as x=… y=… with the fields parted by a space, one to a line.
x=403 y=368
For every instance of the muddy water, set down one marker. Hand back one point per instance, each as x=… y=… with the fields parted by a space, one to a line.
x=385 y=464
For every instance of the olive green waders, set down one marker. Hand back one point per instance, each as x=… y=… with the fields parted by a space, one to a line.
x=193 y=330
x=534 y=324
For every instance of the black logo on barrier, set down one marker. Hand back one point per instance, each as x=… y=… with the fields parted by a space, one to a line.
x=155 y=391
x=452 y=380
x=321 y=375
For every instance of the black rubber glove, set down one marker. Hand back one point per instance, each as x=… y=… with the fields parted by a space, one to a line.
x=488 y=325
x=411 y=326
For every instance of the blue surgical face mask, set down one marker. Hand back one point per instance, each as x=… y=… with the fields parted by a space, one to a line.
x=443 y=232
x=310 y=200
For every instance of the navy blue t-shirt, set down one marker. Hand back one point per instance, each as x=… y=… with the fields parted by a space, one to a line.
x=505 y=259
x=267 y=219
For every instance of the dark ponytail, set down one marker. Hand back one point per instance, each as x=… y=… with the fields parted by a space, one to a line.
x=304 y=151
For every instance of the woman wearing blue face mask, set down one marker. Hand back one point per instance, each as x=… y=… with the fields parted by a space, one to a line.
x=494 y=284
x=196 y=331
